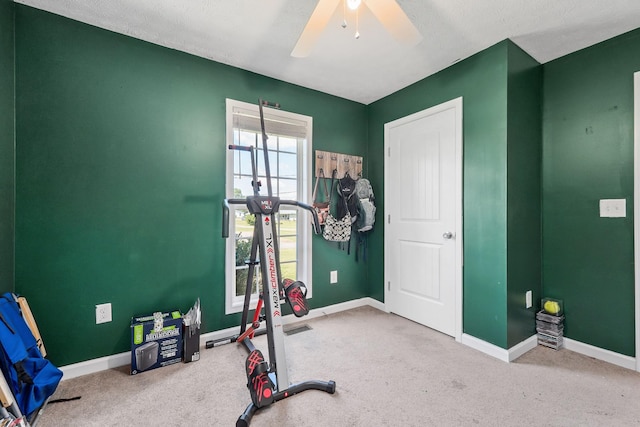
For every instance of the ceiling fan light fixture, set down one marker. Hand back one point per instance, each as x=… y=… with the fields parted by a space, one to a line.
x=354 y=4
x=388 y=12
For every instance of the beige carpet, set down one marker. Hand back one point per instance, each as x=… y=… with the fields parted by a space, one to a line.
x=389 y=372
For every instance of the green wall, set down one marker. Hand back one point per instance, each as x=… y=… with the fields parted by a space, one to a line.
x=588 y=261
x=120 y=166
x=7 y=139
x=524 y=138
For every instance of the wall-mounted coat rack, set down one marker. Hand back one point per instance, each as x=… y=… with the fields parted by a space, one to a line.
x=327 y=162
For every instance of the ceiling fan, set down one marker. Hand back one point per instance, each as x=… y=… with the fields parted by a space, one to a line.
x=388 y=12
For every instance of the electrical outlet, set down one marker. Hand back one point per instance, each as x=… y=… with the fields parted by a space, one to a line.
x=103 y=313
x=333 y=278
x=529 y=299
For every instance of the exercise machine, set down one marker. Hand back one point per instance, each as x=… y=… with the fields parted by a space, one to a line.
x=268 y=382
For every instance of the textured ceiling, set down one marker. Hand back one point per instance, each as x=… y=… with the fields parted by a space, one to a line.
x=258 y=35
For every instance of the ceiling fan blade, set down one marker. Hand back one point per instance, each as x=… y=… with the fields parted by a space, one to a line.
x=393 y=18
x=318 y=20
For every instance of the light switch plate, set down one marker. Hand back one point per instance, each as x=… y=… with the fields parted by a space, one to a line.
x=613 y=208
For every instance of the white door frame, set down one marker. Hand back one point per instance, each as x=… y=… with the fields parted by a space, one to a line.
x=457 y=105
x=636 y=207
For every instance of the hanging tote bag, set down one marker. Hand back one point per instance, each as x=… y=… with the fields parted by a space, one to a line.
x=321 y=208
x=337 y=230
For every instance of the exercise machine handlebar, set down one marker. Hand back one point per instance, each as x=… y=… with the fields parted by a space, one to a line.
x=225 y=212
x=241 y=147
x=316 y=223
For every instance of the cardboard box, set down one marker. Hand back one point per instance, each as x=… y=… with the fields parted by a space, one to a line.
x=156 y=341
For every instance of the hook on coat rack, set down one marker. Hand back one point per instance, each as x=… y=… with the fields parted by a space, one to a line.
x=327 y=162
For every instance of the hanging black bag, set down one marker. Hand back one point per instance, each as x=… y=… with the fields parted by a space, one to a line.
x=349 y=204
x=337 y=229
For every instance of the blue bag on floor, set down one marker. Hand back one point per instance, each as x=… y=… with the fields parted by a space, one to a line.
x=31 y=377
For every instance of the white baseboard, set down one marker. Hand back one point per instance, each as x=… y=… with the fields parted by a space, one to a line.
x=95 y=365
x=121 y=359
x=530 y=343
x=523 y=347
x=498 y=352
x=600 y=353
x=485 y=347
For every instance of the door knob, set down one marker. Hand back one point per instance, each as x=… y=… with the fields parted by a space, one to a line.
x=448 y=235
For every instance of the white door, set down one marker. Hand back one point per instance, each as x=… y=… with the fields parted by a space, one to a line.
x=423 y=210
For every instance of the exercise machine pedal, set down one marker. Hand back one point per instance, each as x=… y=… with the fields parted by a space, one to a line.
x=258 y=382
x=296 y=293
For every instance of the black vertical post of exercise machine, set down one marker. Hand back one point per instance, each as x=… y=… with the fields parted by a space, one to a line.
x=252 y=261
x=265 y=151
x=265 y=245
x=267 y=169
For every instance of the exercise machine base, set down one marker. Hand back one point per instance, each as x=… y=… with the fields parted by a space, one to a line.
x=327 y=386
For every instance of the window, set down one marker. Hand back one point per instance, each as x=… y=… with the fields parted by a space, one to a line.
x=289 y=148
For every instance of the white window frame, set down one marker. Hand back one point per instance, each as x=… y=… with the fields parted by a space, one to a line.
x=304 y=230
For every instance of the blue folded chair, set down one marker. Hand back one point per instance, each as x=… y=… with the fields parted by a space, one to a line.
x=29 y=378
